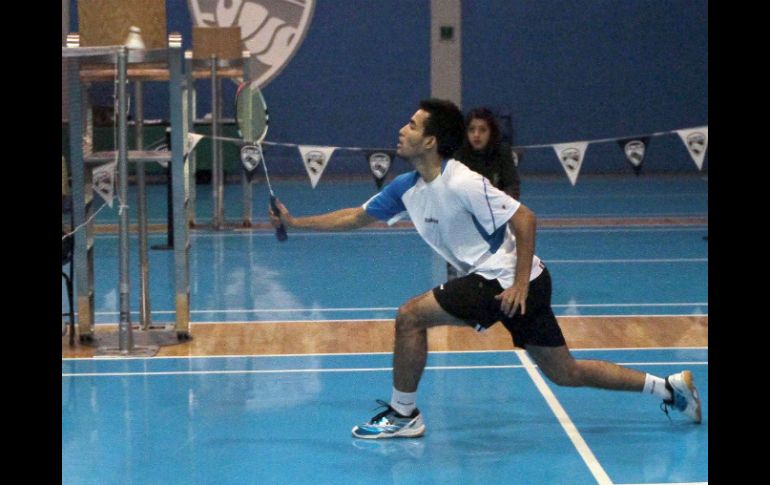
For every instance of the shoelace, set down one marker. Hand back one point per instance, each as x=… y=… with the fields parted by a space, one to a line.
x=388 y=410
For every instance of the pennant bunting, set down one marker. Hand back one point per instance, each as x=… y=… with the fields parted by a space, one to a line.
x=697 y=141
x=251 y=157
x=571 y=158
x=380 y=162
x=103 y=178
x=517 y=154
x=162 y=147
x=635 y=149
x=192 y=140
x=315 y=158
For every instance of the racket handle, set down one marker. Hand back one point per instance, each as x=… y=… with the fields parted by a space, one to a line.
x=280 y=231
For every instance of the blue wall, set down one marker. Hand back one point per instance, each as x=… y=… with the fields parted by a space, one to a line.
x=566 y=70
x=590 y=69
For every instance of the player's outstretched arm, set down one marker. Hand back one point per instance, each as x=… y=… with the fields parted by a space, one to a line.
x=339 y=220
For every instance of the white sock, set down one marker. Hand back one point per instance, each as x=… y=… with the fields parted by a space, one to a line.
x=656 y=386
x=403 y=402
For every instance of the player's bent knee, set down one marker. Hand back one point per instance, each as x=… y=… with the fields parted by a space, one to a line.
x=565 y=377
x=406 y=319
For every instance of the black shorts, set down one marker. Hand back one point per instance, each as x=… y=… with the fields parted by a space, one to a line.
x=472 y=298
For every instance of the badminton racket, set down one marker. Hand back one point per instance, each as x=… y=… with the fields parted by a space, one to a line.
x=253 y=120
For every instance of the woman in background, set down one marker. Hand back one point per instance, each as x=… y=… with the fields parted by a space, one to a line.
x=483 y=151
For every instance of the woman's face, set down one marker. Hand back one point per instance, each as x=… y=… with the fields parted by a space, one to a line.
x=478 y=133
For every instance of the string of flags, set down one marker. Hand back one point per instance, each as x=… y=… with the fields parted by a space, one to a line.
x=316 y=158
x=571 y=154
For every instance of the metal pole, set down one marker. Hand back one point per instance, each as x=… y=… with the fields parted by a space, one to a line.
x=141 y=213
x=216 y=162
x=190 y=121
x=125 y=337
x=169 y=195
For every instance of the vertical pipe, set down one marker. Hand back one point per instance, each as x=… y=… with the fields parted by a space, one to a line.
x=141 y=213
x=191 y=161
x=216 y=169
x=179 y=189
x=125 y=338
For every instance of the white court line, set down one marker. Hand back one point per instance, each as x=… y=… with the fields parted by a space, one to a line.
x=626 y=229
x=283 y=371
x=390 y=309
x=369 y=320
x=606 y=261
x=569 y=427
x=666 y=483
x=373 y=319
x=319 y=371
x=580 y=305
x=413 y=232
x=348 y=354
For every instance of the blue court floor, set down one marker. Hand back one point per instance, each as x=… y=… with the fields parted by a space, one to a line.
x=287 y=420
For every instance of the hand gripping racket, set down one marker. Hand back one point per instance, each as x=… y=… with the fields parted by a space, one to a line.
x=251 y=115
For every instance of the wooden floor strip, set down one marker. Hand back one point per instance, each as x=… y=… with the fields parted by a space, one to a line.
x=245 y=338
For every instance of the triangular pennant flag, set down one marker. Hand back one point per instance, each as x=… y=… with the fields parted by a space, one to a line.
x=517 y=154
x=571 y=157
x=192 y=140
x=315 y=159
x=635 y=149
x=380 y=162
x=162 y=147
x=697 y=141
x=104 y=181
x=251 y=157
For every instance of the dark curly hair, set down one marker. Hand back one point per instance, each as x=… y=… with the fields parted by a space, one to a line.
x=445 y=123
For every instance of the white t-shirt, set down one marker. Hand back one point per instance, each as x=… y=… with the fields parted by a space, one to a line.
x=461 y=215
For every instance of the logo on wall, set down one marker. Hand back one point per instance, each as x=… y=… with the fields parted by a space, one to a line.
x=271 y=30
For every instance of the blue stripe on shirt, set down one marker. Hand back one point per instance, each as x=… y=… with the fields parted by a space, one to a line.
x=388 y=203
x=495 y=240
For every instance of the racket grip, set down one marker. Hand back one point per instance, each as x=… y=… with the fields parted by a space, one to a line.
x=280 y=231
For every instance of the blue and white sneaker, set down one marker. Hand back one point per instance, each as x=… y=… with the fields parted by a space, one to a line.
x=684 y=395
x=390 y=424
